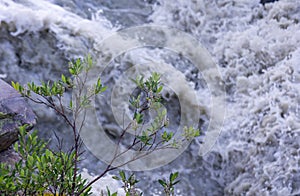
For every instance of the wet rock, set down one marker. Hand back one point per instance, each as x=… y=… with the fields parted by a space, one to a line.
x=14 y=112
x=9 y=156
x=267 y=1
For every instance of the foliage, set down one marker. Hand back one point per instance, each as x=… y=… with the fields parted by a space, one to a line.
x=168 y=185
x=128 y=184
x=42 y=171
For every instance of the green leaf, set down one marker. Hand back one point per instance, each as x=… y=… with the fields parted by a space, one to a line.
x=122 y=175
x=173 y=176
x=30 y=160
x=63 y=79
x=159 y=89
x=71 y=104
x=138 y=117
x=132 y=179
x=190 y=132
x=174 y=183
x=76 y=67
x=15 y=85
x=197 y=133
x=103 y=89
x=108 y=191
x=48 y=153
x=163 y=183
x=99 y=88
x=18 y=87
x=139 y=81
x=145 y=138
x=71 y=70
x=167 y=136
x=16 y=147
x=116 y=177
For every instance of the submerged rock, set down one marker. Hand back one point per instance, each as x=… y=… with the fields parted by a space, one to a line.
x=14 y=112
x=267 y=1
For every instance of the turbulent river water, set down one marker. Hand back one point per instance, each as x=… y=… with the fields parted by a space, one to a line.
x=256 y=48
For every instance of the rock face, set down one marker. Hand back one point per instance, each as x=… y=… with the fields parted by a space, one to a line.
x=14 y=112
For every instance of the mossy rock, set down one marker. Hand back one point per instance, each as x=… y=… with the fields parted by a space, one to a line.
x=3 y=115
x=14 y=112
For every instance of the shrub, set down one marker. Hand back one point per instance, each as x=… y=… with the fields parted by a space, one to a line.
x=42 y=171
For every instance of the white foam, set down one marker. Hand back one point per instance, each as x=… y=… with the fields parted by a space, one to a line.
x=258 y=49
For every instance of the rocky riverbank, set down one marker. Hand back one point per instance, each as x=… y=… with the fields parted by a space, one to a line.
x=14 y=112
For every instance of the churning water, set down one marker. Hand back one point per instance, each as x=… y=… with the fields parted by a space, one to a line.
x=255 y=46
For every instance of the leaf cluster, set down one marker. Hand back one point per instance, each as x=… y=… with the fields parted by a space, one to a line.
x=129 y=184
x=44 y=172
x=168 y=185
x=40 y=170
x=190 y=133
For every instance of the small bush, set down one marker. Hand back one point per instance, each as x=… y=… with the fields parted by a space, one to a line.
x=42 y=171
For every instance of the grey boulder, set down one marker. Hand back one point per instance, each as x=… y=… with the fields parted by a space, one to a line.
x=14 y=112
